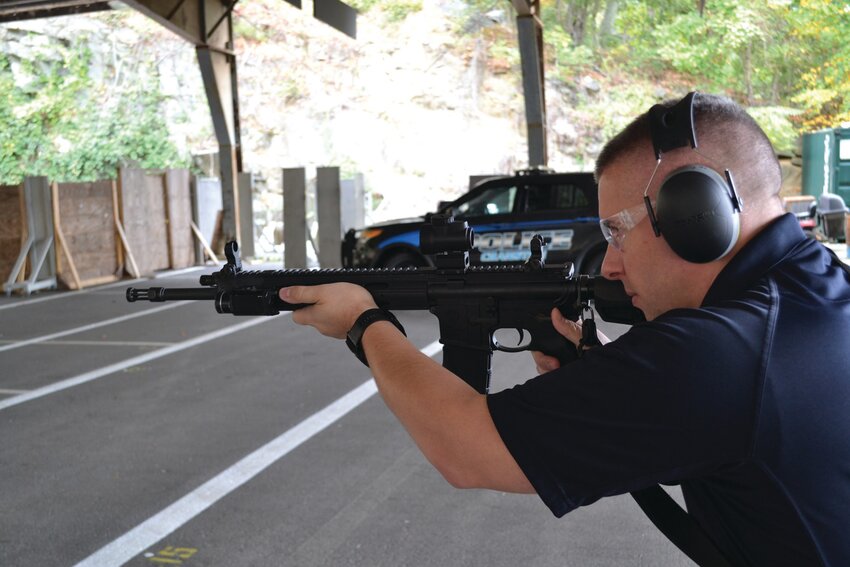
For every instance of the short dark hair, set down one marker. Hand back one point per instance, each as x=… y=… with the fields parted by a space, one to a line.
x=737 y=141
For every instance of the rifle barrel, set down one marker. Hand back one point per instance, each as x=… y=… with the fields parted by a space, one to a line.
x=170 y=294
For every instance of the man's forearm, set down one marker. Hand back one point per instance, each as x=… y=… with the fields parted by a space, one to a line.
x=446 y=417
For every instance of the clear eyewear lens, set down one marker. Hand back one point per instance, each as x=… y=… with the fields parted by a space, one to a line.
x=616 y=227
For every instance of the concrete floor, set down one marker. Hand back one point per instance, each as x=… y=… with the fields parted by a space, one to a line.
x=177 y=437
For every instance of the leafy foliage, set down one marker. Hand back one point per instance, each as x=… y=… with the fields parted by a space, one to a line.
x=56 y=120
x=820 y=42
x=788 y=60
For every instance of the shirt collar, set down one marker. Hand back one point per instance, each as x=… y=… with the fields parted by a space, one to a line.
x=761 y=253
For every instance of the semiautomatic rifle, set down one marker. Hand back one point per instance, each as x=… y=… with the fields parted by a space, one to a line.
x=470 y=302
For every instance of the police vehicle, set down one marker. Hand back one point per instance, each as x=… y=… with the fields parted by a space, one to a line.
x=505 y=213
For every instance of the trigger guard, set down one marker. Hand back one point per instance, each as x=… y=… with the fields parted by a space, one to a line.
x=501 y=348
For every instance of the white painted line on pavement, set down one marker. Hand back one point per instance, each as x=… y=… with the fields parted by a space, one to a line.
x=61 y=294
x=174 y=516
x=135 y=361
x=84 y=328
x=172 y=273
x=65 y=294
x=102 y=343
x=8 y=392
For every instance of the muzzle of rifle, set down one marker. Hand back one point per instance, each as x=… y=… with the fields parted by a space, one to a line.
x=158 y=294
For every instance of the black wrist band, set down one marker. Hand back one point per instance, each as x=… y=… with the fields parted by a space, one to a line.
x=354 y=337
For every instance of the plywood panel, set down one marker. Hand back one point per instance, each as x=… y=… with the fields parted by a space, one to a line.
x=87 y=221
x=179 y=206
x=144 y=217
x=12 y=228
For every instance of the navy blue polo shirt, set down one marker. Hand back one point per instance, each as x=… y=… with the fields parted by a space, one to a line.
x=745 y=402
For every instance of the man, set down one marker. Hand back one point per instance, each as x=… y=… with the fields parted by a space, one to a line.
x=737 y=387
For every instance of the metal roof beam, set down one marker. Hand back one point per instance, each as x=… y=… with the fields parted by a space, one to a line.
x=16 y=10
x=338 y=15
x=193 y=20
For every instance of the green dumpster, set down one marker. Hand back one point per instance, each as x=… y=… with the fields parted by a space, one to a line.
x=826 y=163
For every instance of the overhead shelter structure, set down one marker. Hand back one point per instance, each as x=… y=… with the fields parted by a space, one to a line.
x=530 y=35
x=208 y=24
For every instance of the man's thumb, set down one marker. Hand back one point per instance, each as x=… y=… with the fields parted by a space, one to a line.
x=294 y=294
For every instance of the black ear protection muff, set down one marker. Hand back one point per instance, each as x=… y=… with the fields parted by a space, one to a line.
x=696 y=211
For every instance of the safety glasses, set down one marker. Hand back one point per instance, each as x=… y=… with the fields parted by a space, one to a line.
x=617 y=226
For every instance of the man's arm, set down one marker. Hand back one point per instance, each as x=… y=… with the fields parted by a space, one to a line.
x=448 y=419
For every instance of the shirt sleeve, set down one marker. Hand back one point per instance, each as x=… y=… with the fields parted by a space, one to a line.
x=671 y=399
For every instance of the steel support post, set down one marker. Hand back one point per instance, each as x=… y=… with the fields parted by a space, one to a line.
x=530 y=31
x=216 y=70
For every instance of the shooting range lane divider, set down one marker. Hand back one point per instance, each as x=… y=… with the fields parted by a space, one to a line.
x=77 y=292
x=135 y=361
x=89 y=327
x=185 y=509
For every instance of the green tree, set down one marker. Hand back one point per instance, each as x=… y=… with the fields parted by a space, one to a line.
x=820 y=49
x=55 y=120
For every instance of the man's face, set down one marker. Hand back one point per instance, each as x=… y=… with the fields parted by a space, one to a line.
x=653 y=275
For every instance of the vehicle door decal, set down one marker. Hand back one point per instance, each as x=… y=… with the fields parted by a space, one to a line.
x=507 y=241
x=514 y=246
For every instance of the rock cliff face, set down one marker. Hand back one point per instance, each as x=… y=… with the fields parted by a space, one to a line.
x=417 y=104
x=412 y=104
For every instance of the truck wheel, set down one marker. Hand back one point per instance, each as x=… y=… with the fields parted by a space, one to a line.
x=403 y=260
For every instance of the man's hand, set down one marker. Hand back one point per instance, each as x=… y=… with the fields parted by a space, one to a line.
x=335 y=307
x=572 y=331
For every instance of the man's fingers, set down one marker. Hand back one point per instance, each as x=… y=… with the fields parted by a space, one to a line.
x=572 y=329
x=569 y=329
x=299 y=294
